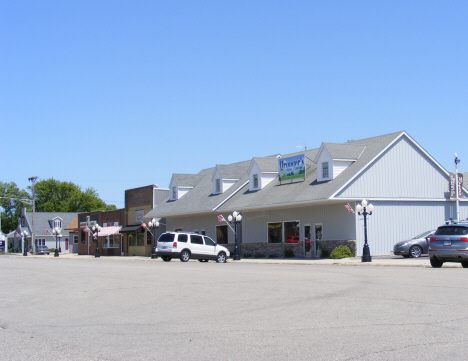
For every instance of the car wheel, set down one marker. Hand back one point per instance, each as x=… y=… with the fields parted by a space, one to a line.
x=184 y=256
x=166 y=258
x=415 y=251
x=221 y=257
x=465 y=264
x=436 y=263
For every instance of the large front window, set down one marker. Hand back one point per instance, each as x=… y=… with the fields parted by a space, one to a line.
x=275 y=232
x=112 y=241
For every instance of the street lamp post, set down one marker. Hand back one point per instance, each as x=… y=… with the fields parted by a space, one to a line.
x=235 y=218
x=57 y=235
x=365 y=210
x=96 y=228
x=154 y=224
x=23 y=235
x=457 y=207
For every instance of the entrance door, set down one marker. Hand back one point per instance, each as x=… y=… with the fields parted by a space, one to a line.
x=318 y=236
x=309 y=246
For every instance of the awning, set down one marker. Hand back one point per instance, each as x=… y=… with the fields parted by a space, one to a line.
x=130 y=229
x=108 y=231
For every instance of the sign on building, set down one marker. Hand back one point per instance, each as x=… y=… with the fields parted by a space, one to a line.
x=291 y=168
x=453 y=186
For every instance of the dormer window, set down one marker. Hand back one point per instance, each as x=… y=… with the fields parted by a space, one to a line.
x=57 y=223
x=255 y=180
x=218 y=185
x=325 y=170
x=174 y=193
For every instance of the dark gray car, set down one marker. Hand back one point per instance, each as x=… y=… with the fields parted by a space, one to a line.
x=449 y=244
x=43 y=250
x=414 y=247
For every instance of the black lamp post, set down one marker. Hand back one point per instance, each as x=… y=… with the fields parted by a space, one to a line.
x=236 y=218
x=154 y=224
x=57 y=235
x=96 y=228
x=365 y=210
x=23 y=235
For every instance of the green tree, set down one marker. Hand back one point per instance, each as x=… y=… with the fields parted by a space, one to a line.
x=55 y=196
x=11 y=206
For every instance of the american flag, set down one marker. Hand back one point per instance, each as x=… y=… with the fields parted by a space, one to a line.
x=348 y=207
x=47 y=232
x=221 y=218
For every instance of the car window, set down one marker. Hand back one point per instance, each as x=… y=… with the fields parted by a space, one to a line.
x=166 y=237
x=209 y=241
x=196 y=239
x=182 y=238
x=451 y=231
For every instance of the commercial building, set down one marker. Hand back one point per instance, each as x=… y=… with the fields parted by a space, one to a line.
x=310 y=196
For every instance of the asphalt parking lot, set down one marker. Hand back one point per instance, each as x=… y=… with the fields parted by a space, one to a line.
x=81 y=308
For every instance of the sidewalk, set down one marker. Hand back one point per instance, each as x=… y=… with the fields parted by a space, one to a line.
x=377 y=261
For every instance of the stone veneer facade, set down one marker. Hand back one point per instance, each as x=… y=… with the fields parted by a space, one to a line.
x=277 y=250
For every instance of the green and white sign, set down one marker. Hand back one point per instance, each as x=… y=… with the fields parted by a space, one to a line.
x=291 y=168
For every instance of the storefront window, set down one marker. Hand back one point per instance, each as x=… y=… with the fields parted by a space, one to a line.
x=275 y=232
x=105 y=242
x=149 y=238
x=222 y=234
x=291 y=232
x=140 y=239
x=131 y=239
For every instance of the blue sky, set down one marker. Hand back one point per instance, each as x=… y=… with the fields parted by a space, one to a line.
x=121 y=94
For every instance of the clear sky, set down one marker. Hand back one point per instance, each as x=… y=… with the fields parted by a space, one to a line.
x=121 y=94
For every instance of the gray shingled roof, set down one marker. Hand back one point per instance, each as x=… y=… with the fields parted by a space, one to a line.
x=187 y=180
x=41 y=221
x=201 y=200
x=267 y=164
x=345 y=151
x=233 y=171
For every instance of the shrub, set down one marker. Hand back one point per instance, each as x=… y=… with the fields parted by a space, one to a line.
x=341 y=252
x=288 y=253
x=52 y=250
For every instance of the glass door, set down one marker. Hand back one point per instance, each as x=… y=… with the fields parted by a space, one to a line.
x=309 y=249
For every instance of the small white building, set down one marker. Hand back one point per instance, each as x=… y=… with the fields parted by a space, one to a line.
x=408 y=188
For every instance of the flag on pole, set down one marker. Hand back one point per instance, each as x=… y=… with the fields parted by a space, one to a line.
x=221 y=218
x=47 y=232
x=348 y=207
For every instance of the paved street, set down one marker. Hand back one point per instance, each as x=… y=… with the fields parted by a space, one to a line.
x=81 y=308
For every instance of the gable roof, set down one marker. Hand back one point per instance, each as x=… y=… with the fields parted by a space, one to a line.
x=238 y=197
x=232 y=171
x=186 y=180
x=73 y=224
x=41 y=221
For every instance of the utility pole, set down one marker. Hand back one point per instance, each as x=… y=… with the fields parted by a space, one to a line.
x=457 y=207
x=33 y=231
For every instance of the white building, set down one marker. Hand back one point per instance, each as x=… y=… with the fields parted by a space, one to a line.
x=408 y=188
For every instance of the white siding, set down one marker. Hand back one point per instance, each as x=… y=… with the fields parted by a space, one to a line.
x=267 y=178
x=392 y=222
x=227 y=184
x=339 y=167
x=403 y=171
x=324 y=157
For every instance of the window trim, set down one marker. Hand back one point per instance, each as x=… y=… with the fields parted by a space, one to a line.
x=323 y=170
x=255 y=181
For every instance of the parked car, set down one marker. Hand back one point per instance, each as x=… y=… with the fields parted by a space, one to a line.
x=415 y=247
x=449 y=243
x=42 y=250
x=292 y=239
x=190 y=245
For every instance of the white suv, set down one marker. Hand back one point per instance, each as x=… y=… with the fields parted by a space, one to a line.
x=189 y=245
